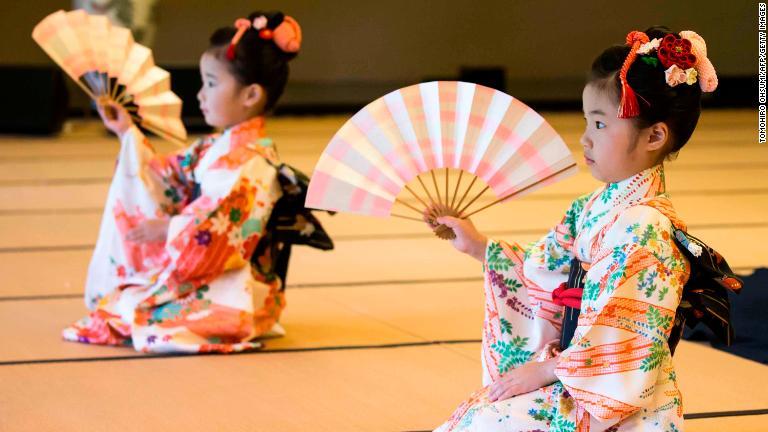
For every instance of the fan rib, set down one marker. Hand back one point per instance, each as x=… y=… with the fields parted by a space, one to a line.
x=398 y=200
x=437 y=189
x=123 y=97
x=406 y=217
x=82 y=86
x=416 y=196
x=107 y=89
x=456 y=191
x=176 y=140
x=446 y=186
x=472 y=183
x=418 y=177
x=517 y=192
x=473 y=200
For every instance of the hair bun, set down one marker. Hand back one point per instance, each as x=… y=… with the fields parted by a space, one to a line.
x=287 y=35
x=707 y=74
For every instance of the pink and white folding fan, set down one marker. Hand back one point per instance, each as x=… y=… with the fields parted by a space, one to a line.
x=432 y=129
x=107 y=64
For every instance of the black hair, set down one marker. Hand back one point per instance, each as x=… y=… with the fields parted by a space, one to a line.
x=256 y=60
x=679 y=107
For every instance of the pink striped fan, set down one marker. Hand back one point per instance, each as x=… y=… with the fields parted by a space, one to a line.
x=107 y=64
x=429 y=137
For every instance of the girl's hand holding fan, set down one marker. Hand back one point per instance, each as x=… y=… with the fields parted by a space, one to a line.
x=115 y=117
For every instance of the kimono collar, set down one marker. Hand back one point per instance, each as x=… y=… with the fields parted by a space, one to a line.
x=646 y=184
x=246 y=132
x=246 y=140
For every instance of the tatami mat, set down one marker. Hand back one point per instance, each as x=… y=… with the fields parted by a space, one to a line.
x=396 y=389
x=315 y=318
x=312 y=320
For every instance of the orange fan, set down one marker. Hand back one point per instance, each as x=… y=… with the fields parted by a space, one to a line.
x=434 y=130
x=107 y=64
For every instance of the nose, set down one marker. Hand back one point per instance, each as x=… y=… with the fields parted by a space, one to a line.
x=200 y=95
x=585 y=141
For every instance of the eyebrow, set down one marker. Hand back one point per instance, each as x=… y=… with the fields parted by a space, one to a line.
x=598 y=112
x=210 y=75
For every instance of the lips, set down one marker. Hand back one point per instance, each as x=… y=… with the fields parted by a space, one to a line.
x=588 y=160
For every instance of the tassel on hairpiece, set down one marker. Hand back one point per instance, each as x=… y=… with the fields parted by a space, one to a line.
x=629 y=107
x=231 y=52
x=242 y=25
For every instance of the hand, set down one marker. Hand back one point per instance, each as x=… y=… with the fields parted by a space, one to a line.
x=115 y=117
x=468 y=239
x=149 y=231
x=527 y=378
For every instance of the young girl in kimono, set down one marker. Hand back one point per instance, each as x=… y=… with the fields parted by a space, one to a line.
x=641 y=104
x=171 y=270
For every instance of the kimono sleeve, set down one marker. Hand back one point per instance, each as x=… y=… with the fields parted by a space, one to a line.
x=520 y=318
x=211 y=236
x=619 y=352
x=538 y=268
x=166 y=178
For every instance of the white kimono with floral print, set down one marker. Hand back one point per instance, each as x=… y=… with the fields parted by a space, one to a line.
x=195 y=291
x=617 y=374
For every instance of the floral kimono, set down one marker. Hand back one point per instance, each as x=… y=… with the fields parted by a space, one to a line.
x=196 y=291
x=617 y=372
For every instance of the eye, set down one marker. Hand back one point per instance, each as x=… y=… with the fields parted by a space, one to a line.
x=599 y=125
x=209 y=84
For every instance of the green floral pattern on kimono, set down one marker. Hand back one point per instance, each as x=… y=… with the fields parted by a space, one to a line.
x=617 y=373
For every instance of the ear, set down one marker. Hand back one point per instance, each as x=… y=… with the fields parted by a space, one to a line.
x=658 y=136
x=253 y=95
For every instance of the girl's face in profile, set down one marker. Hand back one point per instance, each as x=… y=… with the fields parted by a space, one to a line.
x=612 y=149
x=223 y=100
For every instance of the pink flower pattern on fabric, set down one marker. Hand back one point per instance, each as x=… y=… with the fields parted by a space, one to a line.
x=195 y=292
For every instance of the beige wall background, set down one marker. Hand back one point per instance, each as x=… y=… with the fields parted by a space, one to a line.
x=545 y=46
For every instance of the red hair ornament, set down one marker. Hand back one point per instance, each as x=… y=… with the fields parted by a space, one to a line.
x=241 y=25
x=287 y=34
x=676 y=51
x=628 y=107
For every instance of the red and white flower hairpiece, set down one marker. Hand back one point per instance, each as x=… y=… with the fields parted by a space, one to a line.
x=684 y=58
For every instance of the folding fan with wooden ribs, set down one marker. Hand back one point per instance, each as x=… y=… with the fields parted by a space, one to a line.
x=107 y=64
x=432 y=130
